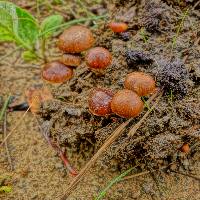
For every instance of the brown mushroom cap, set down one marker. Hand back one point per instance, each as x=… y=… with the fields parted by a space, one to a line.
x=98 y=58
x=75 y=39
x=70 y=60
x=56 y=72
x=118 y=27
x=143 y=84
x=100 y=102
x=126 y=103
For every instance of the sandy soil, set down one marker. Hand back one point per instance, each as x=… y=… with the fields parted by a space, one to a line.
x=38 y=173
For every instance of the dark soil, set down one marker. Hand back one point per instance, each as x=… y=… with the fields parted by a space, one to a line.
x=149 y=48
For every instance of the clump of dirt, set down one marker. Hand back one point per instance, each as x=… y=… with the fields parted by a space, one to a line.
x=162 y=145
x=183 y=3
x=135 y=58
x=155 y=18
x=159 y=138
x=170 y=124
x=174 y=76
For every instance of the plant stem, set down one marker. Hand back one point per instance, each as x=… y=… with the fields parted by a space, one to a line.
x=43 y=49
x=136 y=126
x=112 y=182
x=6 y=144
x=179 y=29
x=38 y=8
x=72 y=22
x=18 y=123
x=5 y=105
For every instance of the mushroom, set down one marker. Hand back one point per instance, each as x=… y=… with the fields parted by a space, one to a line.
x=126 y=103
x=98 y=58
x=56 y=72
x=100 y=101
x=75 y=39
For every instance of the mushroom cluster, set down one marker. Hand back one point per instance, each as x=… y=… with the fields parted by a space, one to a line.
x=72 y=42
x=126 y=102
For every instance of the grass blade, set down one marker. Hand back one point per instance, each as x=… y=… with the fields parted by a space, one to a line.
x=112 y=182
x=5 y=105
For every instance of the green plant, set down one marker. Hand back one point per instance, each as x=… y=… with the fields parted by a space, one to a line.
x=5 y=189
x=180 y=27
x=20 y=27
x=144 y=35
x=102 y=194
x=3 y=109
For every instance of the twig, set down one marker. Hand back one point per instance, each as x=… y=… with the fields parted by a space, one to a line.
x=10 y=53
x=135 y=127
x=6 y=144
x=136 y=175
x=19 y=122
x=5 y=105
x=43 y=49
x=106 y=144
x=191 y=176
x=195 y=5
x=145 y=172
x=57 y=148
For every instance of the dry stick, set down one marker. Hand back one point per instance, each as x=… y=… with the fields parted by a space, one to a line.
x=145 y=172
x=136 y=175
x=19 y=122
x=57 y=148
x=6 y=144
x=195 y=5
x=135 y=127
x=191 y=176
x=106 y=144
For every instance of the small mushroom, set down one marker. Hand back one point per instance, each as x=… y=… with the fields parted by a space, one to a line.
x=126 y=103
x=143 y=84
x=56 y=72
x=118 y=27
x=75 y=39
x=70 y=60
x=98 y=58
x=100 y=102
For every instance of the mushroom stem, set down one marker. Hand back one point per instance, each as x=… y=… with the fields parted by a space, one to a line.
x=43 y=49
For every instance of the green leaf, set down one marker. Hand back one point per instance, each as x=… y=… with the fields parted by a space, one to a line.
x=5 y=35
x=29 y=56
x=48 y=24
x=6 y=189
x=17 y=24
